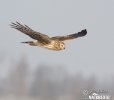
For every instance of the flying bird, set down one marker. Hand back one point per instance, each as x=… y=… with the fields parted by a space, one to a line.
x=42 y=40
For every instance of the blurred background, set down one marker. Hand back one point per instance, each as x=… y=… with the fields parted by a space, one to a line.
x=34 y=73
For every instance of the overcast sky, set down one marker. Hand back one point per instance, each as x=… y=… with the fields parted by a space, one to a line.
x=92 y=54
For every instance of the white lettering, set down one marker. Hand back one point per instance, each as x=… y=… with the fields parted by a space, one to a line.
x=100 y=97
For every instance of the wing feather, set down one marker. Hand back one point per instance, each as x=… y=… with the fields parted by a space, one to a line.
x=71 y=36
x=33 y=34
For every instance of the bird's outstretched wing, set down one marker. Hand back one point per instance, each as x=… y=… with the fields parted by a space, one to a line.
x=71 y=36
x=33 y=34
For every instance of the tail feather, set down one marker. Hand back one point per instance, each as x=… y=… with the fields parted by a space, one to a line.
x=29 y=42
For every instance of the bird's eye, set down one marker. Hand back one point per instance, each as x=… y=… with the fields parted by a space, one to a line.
x=62 y=46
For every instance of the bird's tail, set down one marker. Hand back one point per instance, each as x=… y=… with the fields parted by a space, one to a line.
x=29 y=42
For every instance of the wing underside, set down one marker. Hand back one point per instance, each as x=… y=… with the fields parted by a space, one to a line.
x=33 y=34
x=71 y=36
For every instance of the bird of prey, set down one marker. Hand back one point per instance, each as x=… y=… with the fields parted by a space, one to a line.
x=42 y=40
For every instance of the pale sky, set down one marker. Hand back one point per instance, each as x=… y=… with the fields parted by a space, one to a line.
x=92 y=54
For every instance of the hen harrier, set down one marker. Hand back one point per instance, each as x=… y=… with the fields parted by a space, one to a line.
x=42 y=40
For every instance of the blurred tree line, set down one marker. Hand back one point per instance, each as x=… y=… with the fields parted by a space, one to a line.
x=48 y=82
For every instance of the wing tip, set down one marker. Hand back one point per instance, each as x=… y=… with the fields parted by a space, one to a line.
x=16 y=25
x=83 y=32
x=13 y=24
